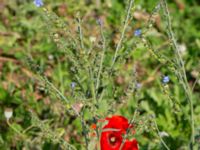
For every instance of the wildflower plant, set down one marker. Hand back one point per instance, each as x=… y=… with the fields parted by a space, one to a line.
x=94 y=78
x=103 y=77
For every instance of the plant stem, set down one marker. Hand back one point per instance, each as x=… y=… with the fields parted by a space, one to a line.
x=102 y=58
x=84 y=128
x=80 y=33
x=16 y=130
x=181 y=73
x=161 y=139
x=130 y=5
x=59 y=93
x=128 y=130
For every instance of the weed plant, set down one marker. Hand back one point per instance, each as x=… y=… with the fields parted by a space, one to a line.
x=100 y=76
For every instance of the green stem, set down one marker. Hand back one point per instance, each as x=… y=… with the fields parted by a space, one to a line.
x=80 y=33
x=130 y=5
x=128 y=130
x=60 y=94
x=102 y=58
x=84 y=128
x=181 y=72
x=16 y=130
x=161 y=139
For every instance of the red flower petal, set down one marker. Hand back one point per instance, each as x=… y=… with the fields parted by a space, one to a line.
x=117 y=122
x=110 y=140
x=130 y=145
x=111 y=136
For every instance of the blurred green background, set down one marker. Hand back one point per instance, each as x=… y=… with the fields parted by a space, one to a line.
x=23 y=33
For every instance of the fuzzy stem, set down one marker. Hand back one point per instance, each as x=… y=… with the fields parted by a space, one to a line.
x=130 y=5
x=181 y=72
x=80 y=33
x=59 y=93
x=16 y=130
x=161 y=139
x=102 y=58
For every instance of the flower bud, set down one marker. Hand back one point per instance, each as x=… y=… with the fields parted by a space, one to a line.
x=8 y=112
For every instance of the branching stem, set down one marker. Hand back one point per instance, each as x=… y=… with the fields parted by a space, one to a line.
x=181 y=73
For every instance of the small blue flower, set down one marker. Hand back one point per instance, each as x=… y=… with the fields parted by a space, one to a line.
x=137 y=32
x=73 y=84
x=38 y=3
x=165 y=79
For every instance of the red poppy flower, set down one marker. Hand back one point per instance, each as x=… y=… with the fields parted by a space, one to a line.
x=111 y=136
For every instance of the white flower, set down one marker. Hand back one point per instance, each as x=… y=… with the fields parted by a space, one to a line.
x=50 y=57
x=163 y=134
x=92 y=39
x=182 y=48
x=8 y=112
x=138 y=85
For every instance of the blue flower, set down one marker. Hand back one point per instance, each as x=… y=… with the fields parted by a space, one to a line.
x=137 y=32
x=38 y=3
x=165 y=79
x=73 y=84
